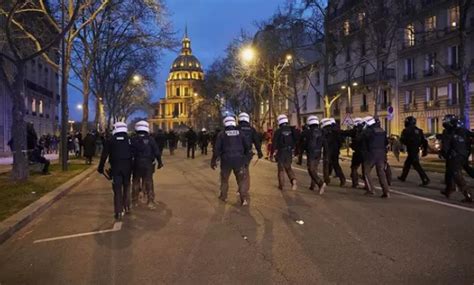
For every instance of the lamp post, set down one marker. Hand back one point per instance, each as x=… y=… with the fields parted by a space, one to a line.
x=349 y=95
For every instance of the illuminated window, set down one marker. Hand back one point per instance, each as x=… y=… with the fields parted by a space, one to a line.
x=410 y=35
x=361 y=18
x=346 y=27
x=33 y=105
x=453 y=17
x=40 y=107
x=430 y=24
x=182 y=63
x=197 y=64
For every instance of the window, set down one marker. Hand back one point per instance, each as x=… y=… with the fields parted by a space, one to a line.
x=361 y=18
x=363 y=73
x=453 y=17
x=318 y=100
x=186 y=91
x=346 y=28
x=40 y=107
x=409 y=97
x=364 y=100
x=433 y=125
x=362 y=47
x=175 y=110
x=453 y=56
x=305 y=102
x=430 y=24
x=348 y=53
x=33 y=105
x=430 y=63
x=410 y=35
x=453 y=93
x=409 y=68
x=178 y=92
x=431 y=93
x=318 y=78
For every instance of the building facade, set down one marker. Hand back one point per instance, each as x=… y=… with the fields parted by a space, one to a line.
x=184 y=88
x=41 y=100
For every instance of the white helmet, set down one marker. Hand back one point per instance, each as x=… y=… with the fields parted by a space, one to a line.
x=369 y=121
x=244 y=117
x=282 y=119
x=229 y=121
x=203 y=130
x=326 y=122
x=142 y=126
x=312 y=120
x=357 y=121
x=119 y=127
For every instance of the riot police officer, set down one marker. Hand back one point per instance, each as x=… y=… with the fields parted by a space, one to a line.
x=375 y=141
x=118 y=151
x=145 y=151
x=357 y=160
x=454 y=150
x=203 y=138
x=232 y=150
x=160 y=139
x=314 y=143
x=251 y=138
x=414 y=139
x=331 y=156
x=284 y=141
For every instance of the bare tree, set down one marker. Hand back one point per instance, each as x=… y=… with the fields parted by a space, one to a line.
x=31 y=30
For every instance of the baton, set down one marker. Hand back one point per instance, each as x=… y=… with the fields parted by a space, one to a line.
x=107 y=174
x=256 y=162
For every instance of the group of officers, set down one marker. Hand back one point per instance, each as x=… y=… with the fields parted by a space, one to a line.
x=321 y=140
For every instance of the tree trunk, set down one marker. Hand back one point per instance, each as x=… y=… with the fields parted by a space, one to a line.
x=20 y=161
x=297 y=101
x=85 y=102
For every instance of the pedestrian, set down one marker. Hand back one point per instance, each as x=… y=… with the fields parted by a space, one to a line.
x=284 y=142
x=77 y=146
x=331 y=157
x=172 y=141
x=160 y=139
x=269 y=147
x=314 y=144
x=89 y=147
x=414 y=140
x=232 y=150
x=118 y=151
x=375 y=143
x=191 y=139
x=203 y=139
x=145 y=152
x=356 y=144
x=455 y=152
x=251 y=138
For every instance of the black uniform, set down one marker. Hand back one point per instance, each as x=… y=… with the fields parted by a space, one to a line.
x=204 y=139
x=251 y=138
x=172 y=141
x=331 y=156
x=145 y=151
x=232 y=150
x=414 y=139
x=314 y=143
x=118 y=150
x=160 y=138
x=284 y=142
x=191 y=138
x=357 y=160
x=375 y=143
x=454 y=150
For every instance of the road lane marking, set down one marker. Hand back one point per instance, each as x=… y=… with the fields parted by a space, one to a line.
x=408 y=195
x=117 y=227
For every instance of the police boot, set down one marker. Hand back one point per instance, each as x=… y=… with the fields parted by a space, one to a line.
x=385 y=195
x=425 y=183
x=222 y=198
x=245 y=202
x=118 y=216
x=401 y=178
x=322 y=189
x=467 y=199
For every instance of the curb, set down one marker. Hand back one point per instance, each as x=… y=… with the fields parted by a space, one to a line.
x=16 y=222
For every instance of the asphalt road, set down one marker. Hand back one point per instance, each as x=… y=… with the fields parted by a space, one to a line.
x=194 y=238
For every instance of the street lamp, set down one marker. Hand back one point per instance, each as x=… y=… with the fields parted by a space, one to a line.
x=79 y=106
x=248 y=54
x=136 y=79
x=289 y=57
x=349 y=94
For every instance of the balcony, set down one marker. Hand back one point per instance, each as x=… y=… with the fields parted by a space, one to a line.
x=432 y=104
x=364 y=108
x=430 y=72
x=371 y=78
x=408 y=77
x=409 y=107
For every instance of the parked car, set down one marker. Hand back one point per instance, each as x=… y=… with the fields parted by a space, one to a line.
x=434 y=143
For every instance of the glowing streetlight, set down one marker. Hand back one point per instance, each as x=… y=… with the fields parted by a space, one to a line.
x=289 y=57
x=349 y=94
x=136 y=79
x=79 y=106
x=248 y=54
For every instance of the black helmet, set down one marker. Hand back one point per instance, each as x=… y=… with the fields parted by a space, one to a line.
x=450 y=121
x=410 y=121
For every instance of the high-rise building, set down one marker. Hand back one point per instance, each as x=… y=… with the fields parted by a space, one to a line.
x=183 y=92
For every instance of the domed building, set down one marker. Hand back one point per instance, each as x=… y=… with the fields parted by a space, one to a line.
x=183 y=91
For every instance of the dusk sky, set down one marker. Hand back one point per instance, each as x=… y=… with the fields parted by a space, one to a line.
x=212 y=24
